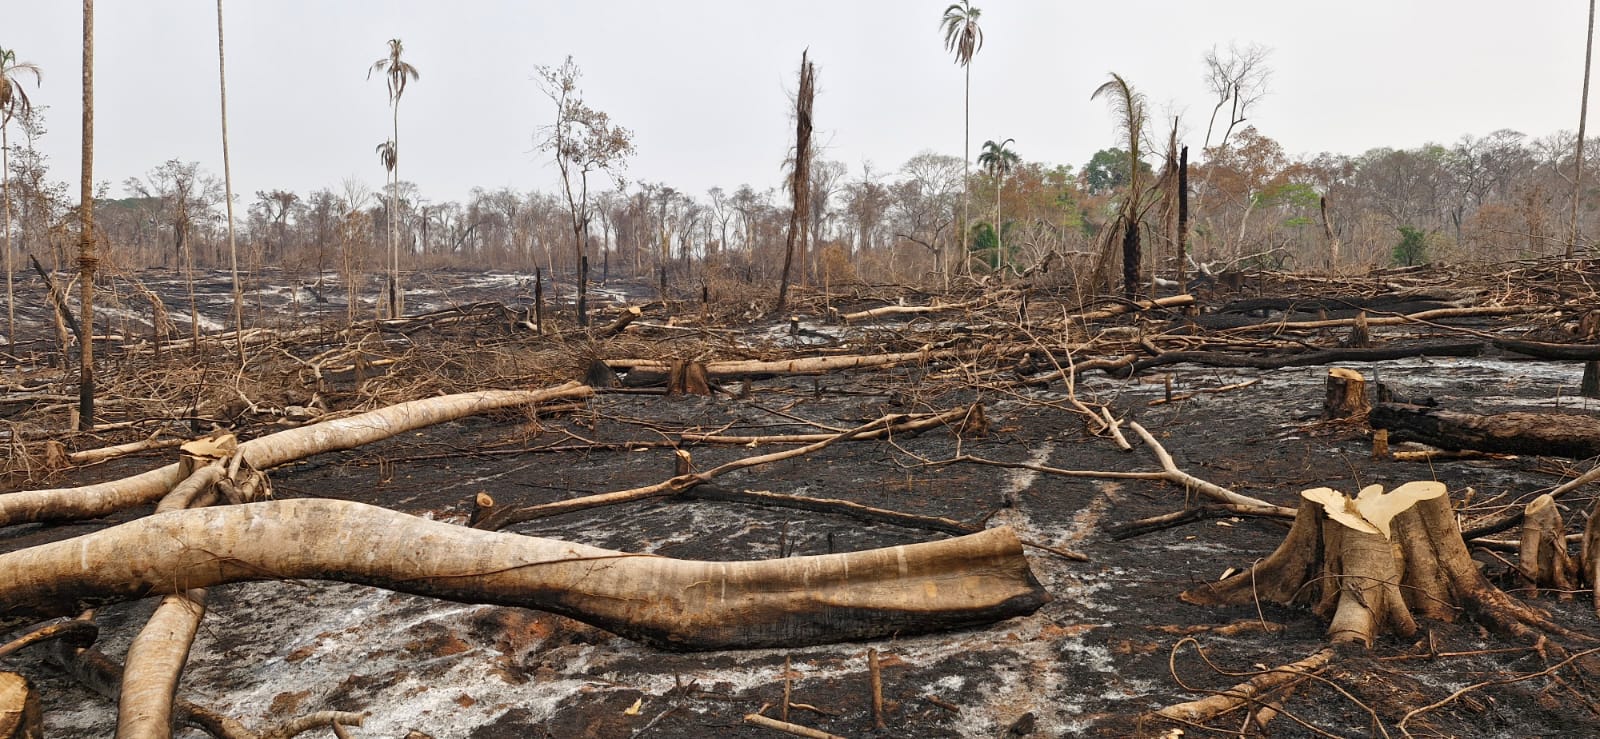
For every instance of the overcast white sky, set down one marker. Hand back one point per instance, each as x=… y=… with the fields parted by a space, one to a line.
x=704 y=84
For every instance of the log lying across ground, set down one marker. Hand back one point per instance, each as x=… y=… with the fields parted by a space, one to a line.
x=92 y=501
x=1554 y=434
x=671 y=603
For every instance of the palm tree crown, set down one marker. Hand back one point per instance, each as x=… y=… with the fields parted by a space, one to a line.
x=396 y=69
x=998 y=159
x=962 y=35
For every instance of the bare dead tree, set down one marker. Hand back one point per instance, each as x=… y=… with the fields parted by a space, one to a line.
x=1240 y=78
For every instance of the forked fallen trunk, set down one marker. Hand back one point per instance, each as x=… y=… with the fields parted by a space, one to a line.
x=675 y=604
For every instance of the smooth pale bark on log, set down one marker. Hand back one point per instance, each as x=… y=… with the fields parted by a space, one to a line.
x=93 y=501
x=675 y=604
x=1551 y=434
x=1346 y=394
x=1542 y=554
x=803 y=365
x=154 y=664
x=19 y=708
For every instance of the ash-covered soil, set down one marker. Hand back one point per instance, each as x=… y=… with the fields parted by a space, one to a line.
x=1087 y=664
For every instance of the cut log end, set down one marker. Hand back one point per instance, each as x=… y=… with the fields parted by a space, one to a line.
x=1346 y=395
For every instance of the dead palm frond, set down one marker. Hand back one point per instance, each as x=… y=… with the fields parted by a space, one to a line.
x=396 y=69
x=962 y=34
x=388 y=155
x=13 y=96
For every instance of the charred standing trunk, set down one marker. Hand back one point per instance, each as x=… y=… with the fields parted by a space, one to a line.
x=1130 y=258
x=1183 y=216
x=800 y=178
x=1552 y=434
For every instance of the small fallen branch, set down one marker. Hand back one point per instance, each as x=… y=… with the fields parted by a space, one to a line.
x=494 y=519
x=1245 y=694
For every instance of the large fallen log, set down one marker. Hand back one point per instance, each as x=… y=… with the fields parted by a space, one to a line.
x=671 y=603
x=1553 y=434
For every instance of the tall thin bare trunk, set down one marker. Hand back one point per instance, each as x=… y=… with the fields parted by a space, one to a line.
x=87 y=257
x=11 y=302
x=227 y=186
x=396 y=303
x=966 y=175
x=1583 y=120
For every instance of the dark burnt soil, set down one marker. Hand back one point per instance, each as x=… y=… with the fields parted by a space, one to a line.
x=1113 y=644
x=1087 y=664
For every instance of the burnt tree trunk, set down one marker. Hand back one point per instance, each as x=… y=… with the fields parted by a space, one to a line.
x=1552 y=434
x=1130 y=258
x=1183 y=216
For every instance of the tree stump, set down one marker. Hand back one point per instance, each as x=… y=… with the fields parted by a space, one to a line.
x=19 y=708
x=688 y=378
x=1373 y=563
x=1590 y=387
x=1347 y=395
x=1542 y=554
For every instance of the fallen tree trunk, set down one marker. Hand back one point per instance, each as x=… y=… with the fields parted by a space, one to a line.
x=1553 y=434
x=1312 y=358
x=674 y=604
x=93 y=501
x=1548 y=350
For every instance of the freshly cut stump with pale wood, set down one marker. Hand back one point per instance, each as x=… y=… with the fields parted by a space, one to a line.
x=1372 y=563
x=1347 y=394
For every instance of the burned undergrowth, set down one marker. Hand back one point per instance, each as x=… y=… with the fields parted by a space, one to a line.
x=1074 y=399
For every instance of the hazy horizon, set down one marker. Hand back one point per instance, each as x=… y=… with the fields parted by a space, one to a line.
x=705 y=87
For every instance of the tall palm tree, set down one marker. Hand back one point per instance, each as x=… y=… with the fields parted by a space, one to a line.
x=389 y=156
x=398 y=72
x=1128 y=106
x=13 y=100
x=227 y=184
x=963 y=37
x=87 y=258
x=998 y=161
